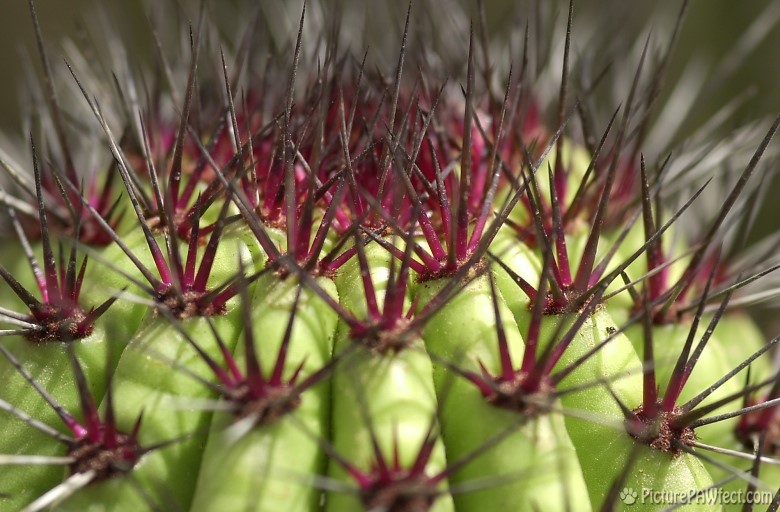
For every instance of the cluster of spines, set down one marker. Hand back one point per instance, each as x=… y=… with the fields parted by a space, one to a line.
x=380 y=172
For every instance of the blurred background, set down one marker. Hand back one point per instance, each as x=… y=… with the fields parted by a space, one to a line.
x=711 y=29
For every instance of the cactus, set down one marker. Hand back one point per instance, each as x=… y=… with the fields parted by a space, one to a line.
x=296 y=284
